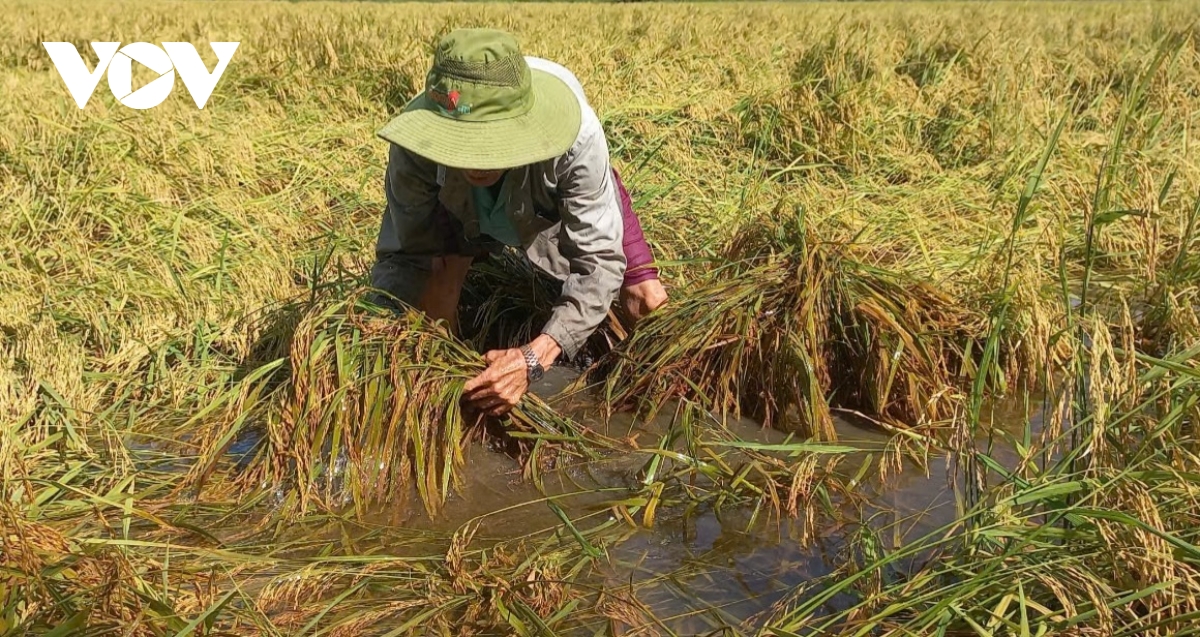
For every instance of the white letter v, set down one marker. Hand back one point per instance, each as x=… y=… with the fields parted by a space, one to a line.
x=199 y=82
x=74 y=73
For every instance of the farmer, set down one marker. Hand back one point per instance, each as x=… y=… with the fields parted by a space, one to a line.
x=501 y=149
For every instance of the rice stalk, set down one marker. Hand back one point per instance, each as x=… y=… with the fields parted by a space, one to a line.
x=1127 y=562
x=792 y=325
x=366 y=408
x=133 y=245
x=506 y=300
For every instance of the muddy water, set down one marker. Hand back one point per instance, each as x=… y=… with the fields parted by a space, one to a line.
x=697 y=569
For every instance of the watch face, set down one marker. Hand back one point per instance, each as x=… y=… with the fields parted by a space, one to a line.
x=535 y=373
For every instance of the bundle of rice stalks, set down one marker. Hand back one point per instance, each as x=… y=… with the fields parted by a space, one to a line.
x=366 y=407
x=900 y=345
x=376 y=398
x=793 y=325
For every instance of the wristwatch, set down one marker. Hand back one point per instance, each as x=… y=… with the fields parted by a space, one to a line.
x=533 y=364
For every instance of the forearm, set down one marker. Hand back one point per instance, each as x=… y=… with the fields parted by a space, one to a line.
x=546 y=349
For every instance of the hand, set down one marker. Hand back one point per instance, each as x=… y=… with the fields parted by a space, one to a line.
x=500 y=387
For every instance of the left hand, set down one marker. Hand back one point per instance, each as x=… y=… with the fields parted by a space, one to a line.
x=500 y=387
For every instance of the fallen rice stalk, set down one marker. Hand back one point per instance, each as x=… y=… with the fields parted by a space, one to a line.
x=792 y=326
x=370 y=409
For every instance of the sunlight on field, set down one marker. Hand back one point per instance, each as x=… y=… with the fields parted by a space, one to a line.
x=874 y=174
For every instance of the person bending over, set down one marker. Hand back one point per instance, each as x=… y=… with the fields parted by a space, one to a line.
x=500 y=150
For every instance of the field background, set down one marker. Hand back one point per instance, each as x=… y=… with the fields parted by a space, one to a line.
x=908 y=126
x=136 y=243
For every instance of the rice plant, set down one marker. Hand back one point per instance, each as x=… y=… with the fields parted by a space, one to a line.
x=370 y=409
x=790 y=325
x=1108 y=546
x=205 y=430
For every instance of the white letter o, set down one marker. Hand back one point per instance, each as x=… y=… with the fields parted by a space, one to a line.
x=120 y=75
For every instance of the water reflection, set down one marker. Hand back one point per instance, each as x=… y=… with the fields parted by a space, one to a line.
x=697 y=569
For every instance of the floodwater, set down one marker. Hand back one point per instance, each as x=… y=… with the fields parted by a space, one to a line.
x=697 y=569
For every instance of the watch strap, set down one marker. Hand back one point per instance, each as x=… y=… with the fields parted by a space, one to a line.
x=532 y=364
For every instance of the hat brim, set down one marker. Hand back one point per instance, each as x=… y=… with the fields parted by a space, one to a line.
x=547 y=130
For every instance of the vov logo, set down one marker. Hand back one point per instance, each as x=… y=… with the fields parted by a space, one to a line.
x=178 y=56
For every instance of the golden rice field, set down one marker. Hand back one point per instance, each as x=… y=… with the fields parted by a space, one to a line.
x=931 y=364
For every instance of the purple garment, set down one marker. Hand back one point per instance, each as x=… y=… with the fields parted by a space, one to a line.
x=637 y=252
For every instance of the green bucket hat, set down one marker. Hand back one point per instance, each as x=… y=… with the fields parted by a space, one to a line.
x=483 y=108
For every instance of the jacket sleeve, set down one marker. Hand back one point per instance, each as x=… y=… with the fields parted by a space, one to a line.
x=590 y=239
x=408 y=236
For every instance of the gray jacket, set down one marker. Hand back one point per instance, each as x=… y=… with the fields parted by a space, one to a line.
x=565 y=210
